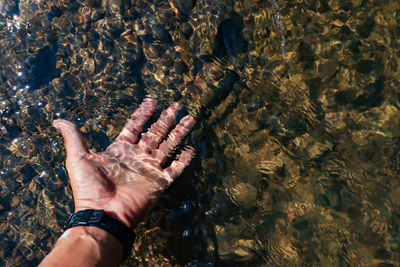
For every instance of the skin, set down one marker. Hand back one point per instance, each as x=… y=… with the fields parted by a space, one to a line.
x=125 y=180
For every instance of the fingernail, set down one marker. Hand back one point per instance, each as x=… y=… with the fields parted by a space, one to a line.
x=56 y=124
x=176 y=105
x=151 y=96
x=188 y=121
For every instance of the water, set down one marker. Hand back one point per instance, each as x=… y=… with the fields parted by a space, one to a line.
x=297 y=137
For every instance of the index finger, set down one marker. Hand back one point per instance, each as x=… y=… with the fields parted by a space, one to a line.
x=134 y=125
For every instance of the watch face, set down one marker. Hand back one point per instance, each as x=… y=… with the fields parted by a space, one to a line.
x=84 y=217
x=96 y=216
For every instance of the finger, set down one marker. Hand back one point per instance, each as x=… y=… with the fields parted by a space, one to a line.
x=159 y=130
x=177 y=166
x=176 y=136
x=134 y=125
x=75 y=144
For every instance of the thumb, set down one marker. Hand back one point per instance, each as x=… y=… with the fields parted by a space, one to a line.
x=75 y=144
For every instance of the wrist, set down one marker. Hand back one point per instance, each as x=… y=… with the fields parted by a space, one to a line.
x=85 y=246
x=98 y=240
x=98 y=218
x=98 y=236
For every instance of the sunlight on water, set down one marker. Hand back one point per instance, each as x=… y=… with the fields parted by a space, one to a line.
x=297 y=137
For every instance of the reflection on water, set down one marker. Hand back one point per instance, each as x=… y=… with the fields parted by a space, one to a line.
x=297 y=139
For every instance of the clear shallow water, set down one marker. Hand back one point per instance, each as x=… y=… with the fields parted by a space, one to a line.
x=297 y=140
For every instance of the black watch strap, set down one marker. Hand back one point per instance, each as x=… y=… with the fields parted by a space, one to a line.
x=99 y=219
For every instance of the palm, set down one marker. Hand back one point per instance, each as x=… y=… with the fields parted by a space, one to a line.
x=127 y=178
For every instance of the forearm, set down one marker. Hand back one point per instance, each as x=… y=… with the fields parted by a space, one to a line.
x=85 y=246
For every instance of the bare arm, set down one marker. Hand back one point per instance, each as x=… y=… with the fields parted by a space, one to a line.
x=85 y=246
x=125 y=181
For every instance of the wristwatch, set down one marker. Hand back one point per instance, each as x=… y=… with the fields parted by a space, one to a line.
x=98 y=218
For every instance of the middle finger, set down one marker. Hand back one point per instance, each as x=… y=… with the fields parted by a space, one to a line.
x=176 y=136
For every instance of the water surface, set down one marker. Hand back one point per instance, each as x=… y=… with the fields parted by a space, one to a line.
x=297 y=137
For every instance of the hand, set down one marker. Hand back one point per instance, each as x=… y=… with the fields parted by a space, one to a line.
x=127 y=179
